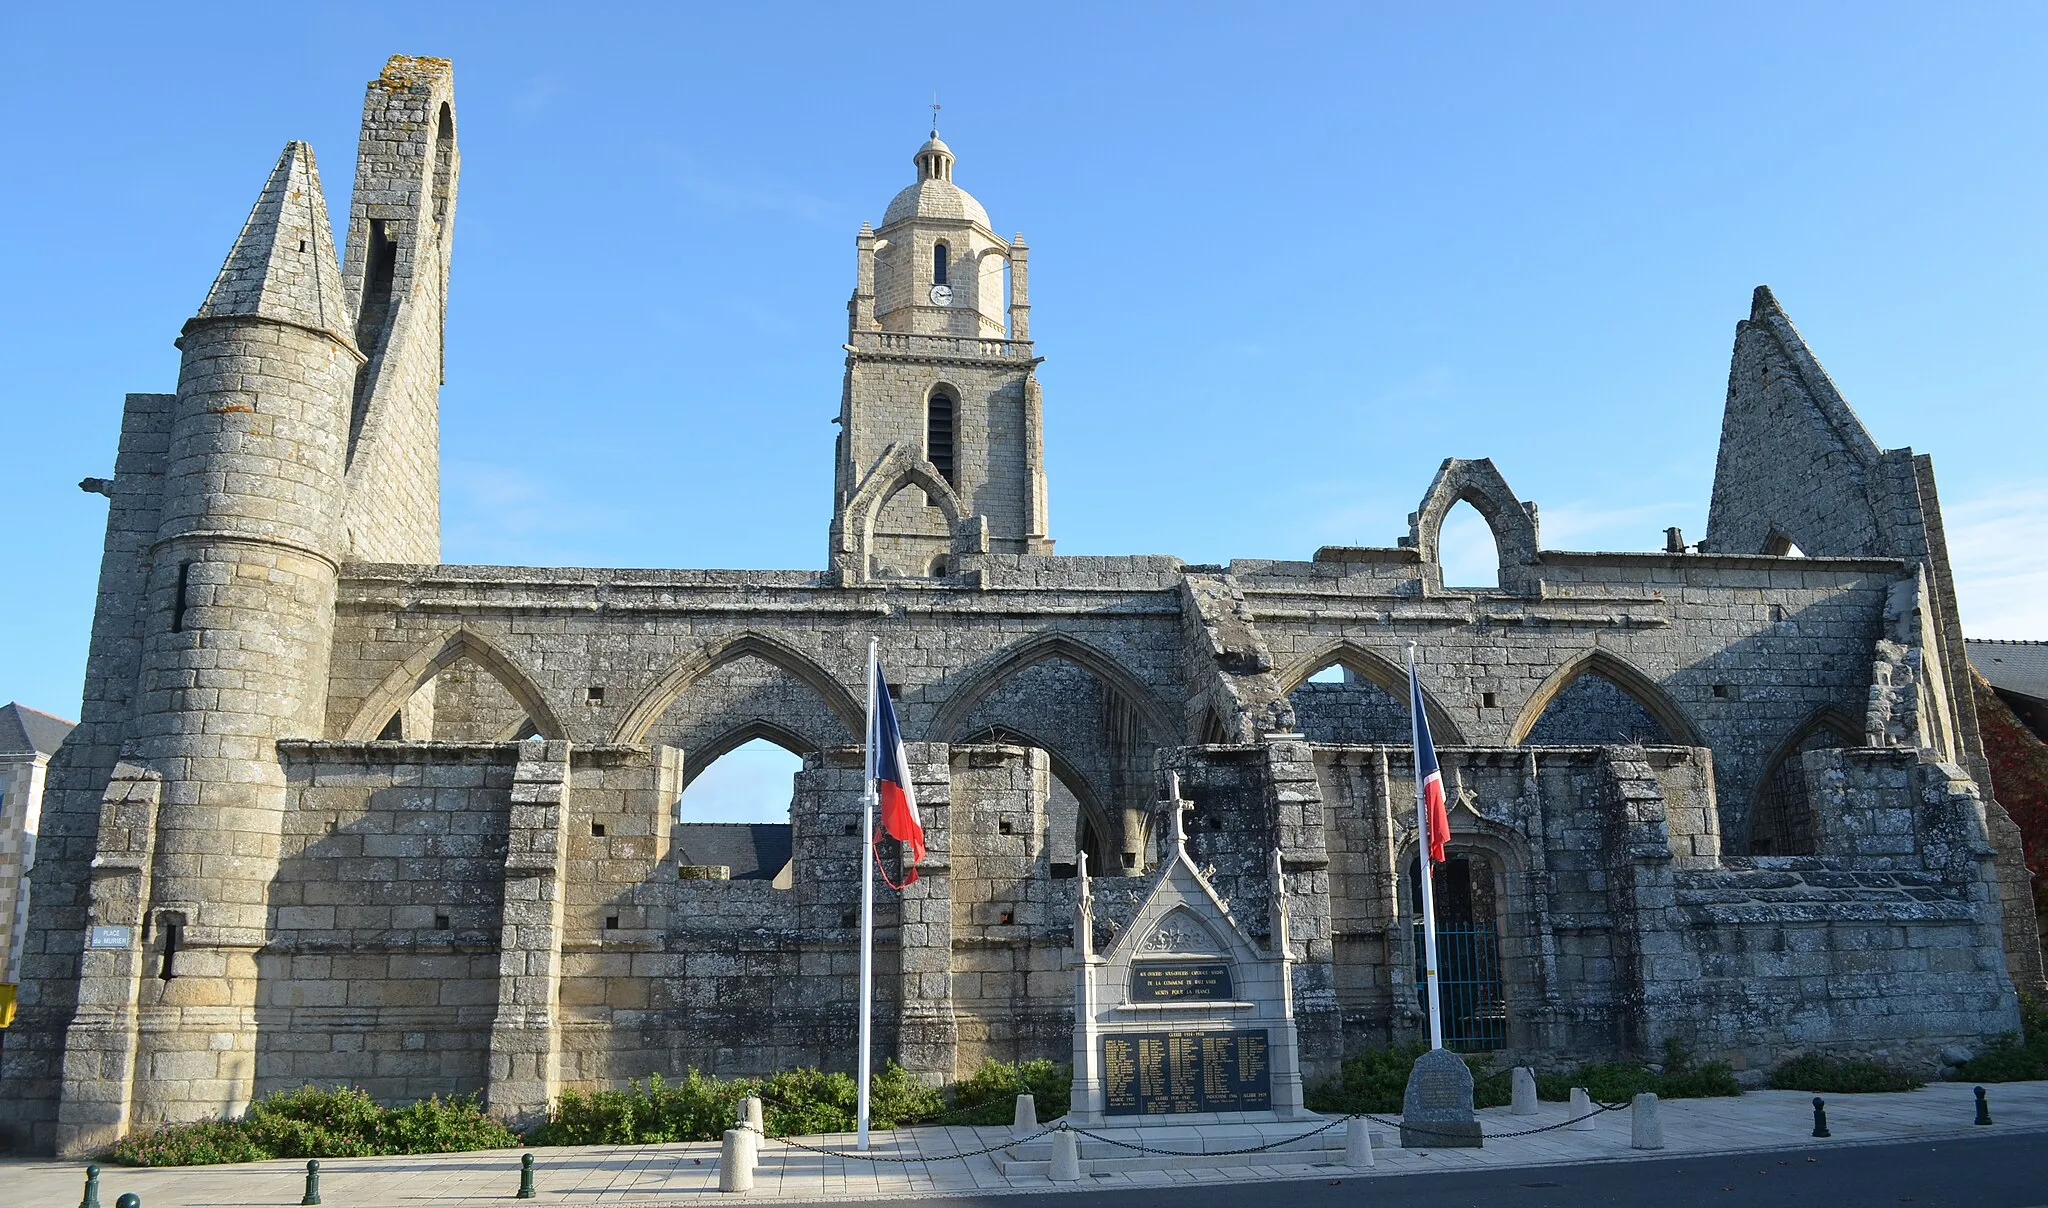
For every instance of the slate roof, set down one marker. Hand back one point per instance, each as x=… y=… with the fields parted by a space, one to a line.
x=2020 y=668
x=755 y=851
x=26 y=731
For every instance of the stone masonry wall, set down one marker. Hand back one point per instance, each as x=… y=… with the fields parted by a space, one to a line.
x=382 y=964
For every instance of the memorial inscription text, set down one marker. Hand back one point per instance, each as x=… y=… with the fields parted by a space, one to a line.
x=1172 y=1073
x=1180 y=981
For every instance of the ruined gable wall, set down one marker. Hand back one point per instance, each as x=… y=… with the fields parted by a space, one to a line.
x=1794 y=460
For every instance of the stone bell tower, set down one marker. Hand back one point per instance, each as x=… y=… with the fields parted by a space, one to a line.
x=941 y=452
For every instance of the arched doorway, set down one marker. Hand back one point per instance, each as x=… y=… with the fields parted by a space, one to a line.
x=1471 y=986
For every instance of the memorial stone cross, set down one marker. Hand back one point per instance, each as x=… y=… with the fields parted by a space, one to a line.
x=1436 y=1113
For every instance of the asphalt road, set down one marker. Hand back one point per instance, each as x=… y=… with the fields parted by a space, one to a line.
x=2007 y=1170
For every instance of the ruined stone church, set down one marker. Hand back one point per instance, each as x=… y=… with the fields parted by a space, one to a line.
x=339 y=812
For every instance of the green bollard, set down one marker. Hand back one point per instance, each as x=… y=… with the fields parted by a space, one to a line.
x=526 y=1191
x=312 y=1195
x=92 y=1188
x=1983 y=1107
x=1820 y=1117
x=128 y=1200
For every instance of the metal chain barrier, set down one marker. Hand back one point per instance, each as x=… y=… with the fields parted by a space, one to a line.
x=1206 y=1153
x=1598 y=1109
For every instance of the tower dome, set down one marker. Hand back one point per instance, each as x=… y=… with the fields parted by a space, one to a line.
x=934 y=195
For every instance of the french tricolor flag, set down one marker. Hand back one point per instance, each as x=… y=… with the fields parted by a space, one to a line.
x=1426 y=769
x=891 y=772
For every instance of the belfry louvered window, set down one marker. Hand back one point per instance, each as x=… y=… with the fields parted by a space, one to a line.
x=938 y=433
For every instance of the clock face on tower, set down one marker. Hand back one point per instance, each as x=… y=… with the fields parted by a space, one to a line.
x=942 y=295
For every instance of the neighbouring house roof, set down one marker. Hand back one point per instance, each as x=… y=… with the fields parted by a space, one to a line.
x=26 y=731
x=754 y=851
x=2020 y=668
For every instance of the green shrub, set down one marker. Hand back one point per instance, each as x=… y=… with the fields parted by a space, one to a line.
x=315 y=1122
x=2014 y=1058
x=900 y=1097
x=651 y=1113
x=700 y=1108
x=1615 y=1081
x=1375 y=1081
x=1826 y=1075
x=989 y=1095
x=204 y=1143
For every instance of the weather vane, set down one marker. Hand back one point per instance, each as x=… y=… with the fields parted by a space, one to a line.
x=935 y=115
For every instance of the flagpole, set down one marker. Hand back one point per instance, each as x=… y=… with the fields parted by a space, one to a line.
x=1425 y=867
x=867 y=909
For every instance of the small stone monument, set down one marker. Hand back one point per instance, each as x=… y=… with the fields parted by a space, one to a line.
x=1524 y=1080
x=1436 y=1113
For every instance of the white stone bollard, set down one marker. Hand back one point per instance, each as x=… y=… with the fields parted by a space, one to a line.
x=1357 y=1142
x=752 y=1117
x=1582 y=1106
x=750 y=1149
x=1066 y=1158
x=1524 y=1080
x=734 y=1173
x=1645 y=1123
x=1025 y=1122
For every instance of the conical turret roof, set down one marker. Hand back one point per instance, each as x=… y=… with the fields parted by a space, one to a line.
x=283 y=265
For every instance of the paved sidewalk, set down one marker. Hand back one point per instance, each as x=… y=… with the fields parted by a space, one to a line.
x=617 y=1176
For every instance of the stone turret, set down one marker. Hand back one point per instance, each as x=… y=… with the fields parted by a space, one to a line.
x=237 y=625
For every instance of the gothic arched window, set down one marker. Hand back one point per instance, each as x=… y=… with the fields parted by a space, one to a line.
x=938 y=433
x=938 y=264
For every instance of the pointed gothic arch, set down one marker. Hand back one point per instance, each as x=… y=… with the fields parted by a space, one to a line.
x=653 y=702
x=1780 y=815
x=1626 y=676
x=429 y=661
x=1092 y=811
x=1380 y=671
x=991 y=673
x=696 y=762
x=904 y=464
x=1480 y=484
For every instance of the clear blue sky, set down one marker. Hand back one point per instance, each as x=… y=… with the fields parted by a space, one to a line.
x=1285 y=258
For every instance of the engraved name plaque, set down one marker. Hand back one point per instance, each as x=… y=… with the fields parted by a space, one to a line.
x=1175 y=1073
x=1180 y=981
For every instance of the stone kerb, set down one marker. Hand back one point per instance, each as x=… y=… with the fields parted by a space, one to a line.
x=1182 y=988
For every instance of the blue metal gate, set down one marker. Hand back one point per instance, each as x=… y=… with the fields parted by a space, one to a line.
x=1468 y=982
